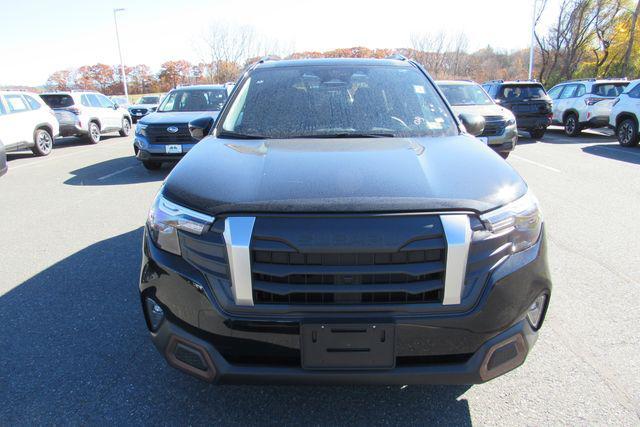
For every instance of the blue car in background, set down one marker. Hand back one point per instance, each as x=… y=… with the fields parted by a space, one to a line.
x=163 y=136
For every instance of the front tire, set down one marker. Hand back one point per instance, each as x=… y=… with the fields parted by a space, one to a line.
x=150 y=165
x=627 y=133
x=43 y=142
x=537 y=133
x=572 y=126
x=94 y=133
x=126 y=128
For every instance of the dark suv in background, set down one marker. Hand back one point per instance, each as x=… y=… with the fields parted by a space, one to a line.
x=341 y=225
x=527 y=99
x=163 y=135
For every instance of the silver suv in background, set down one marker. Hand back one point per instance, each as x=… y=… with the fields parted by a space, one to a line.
x=88 y=114
x=146 y=104
x=625 y=115
x=585 y=103
x=500 y=131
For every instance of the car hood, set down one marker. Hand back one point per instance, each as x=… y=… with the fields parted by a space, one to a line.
x=176 y=117
x=483 y=110
x=220 y=176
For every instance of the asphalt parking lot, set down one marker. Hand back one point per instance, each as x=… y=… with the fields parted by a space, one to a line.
x=75 y=349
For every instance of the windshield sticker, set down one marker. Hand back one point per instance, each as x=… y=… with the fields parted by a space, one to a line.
x=418 y=89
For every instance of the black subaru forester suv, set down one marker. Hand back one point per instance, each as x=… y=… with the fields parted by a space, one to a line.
x=338 y=224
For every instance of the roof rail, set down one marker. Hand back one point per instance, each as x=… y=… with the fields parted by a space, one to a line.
x=397 y=56
x=494 y=81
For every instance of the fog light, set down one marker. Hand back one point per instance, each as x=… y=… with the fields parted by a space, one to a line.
x=536 y=311
x=155 y=313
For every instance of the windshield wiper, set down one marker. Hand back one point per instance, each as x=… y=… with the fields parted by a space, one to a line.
x=236 y=135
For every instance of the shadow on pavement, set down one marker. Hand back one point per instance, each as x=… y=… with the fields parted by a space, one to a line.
x=118 y=171
x=589 y=136
x=75 y=141
x=76 y=350
x=614 y=152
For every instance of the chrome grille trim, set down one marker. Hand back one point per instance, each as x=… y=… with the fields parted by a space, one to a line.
x=237 y=236
x=457 y=231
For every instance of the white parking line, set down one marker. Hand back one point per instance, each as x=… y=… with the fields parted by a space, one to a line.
x=536 y=163
x=115 y=173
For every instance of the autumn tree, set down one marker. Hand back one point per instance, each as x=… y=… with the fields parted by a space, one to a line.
x=60 y=80
x=173 y=73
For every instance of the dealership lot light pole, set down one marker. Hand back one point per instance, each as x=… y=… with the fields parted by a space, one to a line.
x=124 y=75
x=533 y=38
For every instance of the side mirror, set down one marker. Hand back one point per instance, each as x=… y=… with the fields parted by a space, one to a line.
x=115 y=106
x=200 y=127
x=473 y=123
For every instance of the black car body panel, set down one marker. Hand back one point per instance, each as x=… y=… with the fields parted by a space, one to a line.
x=310 y=175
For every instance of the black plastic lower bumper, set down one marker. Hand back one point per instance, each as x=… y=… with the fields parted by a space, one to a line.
x=219 y=370
x=146 y=156
x=533 y=123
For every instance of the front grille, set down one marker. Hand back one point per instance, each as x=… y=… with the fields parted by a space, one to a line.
x=340 y=271
x=307 y=263
x=494 y=125
x=159 y=134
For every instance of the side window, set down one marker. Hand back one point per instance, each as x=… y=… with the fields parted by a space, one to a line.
x=555 y=92
x=85 y=101
x=93 y=100
x=581 y=90
x=32 y=102
x=104 y=101
x=2 y=110
x=635 y=92
x=568 y=91
x=16 y=103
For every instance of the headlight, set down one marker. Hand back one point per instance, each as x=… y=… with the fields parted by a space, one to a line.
x=522 y=219
x=166 y=218
x=140 y=127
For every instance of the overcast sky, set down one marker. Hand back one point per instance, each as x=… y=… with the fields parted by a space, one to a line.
x=39 y=37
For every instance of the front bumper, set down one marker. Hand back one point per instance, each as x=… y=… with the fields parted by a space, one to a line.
x=146 y=151
x=452 y=348
x=504 y=142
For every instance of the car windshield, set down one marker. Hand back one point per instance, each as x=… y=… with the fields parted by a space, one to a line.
x=465 y=94
x=57 y=100
x=149 y=100
x=337 y=101
x=609 y=89
x=521 y=92
x=194 y=100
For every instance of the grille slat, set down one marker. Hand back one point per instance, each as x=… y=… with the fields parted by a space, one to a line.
x=494 y=125
x=282 y=270
x=160 y=135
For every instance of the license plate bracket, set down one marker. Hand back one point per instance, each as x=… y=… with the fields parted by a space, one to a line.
x=347 y=346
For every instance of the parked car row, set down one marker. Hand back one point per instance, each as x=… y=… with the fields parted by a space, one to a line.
x=576 y=105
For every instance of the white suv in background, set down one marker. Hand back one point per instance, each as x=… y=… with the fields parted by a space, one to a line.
x=26 y=122
x=88 y=114
x=625 y=115
x=586 y=103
